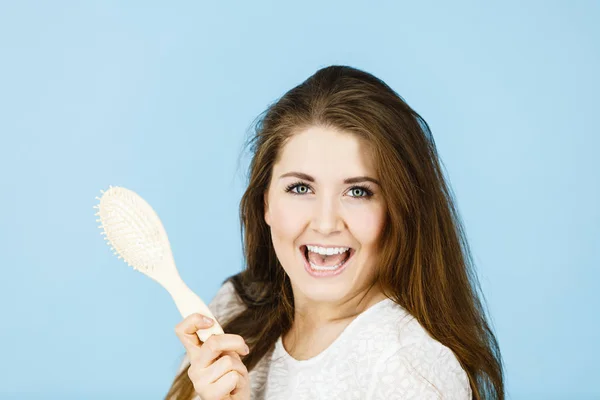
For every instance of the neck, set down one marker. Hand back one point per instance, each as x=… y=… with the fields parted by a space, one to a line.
x=317 y=325
x=311 y=317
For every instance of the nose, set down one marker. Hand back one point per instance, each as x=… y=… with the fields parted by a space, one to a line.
x=326 y=217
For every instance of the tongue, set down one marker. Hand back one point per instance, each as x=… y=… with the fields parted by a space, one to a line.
x=326 y=261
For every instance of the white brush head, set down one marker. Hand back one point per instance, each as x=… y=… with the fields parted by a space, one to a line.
x=135 y=232
x=137 y=235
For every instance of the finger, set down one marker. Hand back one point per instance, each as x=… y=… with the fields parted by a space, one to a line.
x=225 y=364
x=217 y=344
x=208 y=381
x=239 y=363
x=186 y=330
x=224 y=386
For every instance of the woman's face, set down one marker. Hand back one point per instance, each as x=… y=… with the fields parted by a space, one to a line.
x=308 y=203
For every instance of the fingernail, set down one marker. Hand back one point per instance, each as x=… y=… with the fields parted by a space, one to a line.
x=247 y=349
x=207 y=320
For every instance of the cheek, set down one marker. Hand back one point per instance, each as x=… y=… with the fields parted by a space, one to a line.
x=367 y=226
x=286 y=221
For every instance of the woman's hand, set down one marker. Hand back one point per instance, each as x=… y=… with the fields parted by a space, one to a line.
x=216 y=369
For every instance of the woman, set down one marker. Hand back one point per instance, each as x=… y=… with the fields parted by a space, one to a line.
x=358 y=282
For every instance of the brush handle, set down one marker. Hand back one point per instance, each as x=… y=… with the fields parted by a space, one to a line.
x=188 y=302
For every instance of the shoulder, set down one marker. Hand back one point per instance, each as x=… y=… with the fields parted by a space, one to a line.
x=226 y=303
x=414 y=365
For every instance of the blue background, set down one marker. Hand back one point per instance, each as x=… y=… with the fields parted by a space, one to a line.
x=158 y=97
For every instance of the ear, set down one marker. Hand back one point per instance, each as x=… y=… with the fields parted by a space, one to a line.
x=266 y=207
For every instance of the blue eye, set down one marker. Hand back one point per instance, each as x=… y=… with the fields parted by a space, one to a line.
x=296 y=189
x=360 y=189
x=298 y=186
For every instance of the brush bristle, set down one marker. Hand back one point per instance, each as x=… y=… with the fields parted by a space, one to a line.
x=132 y=228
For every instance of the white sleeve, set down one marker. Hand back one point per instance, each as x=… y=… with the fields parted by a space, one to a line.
x=419 y=373
x=225 y=304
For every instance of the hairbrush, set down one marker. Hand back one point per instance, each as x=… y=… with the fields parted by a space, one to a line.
x=135 y=233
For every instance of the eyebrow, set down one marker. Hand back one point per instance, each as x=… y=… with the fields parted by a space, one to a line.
x=356 y=179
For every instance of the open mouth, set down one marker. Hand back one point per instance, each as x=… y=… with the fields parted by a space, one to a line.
x=326 y=262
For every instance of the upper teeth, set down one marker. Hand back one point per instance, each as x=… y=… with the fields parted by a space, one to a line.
x=327 y=251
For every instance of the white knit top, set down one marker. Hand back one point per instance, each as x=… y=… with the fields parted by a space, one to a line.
x=384 y=353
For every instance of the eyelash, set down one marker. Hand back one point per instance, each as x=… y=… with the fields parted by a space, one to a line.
x=367 y=196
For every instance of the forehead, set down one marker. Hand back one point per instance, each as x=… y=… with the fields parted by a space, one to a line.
x=326 y=153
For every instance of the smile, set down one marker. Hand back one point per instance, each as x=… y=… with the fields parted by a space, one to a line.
x=338 y=259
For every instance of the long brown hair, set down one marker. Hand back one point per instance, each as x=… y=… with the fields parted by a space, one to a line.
x=426 y=264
